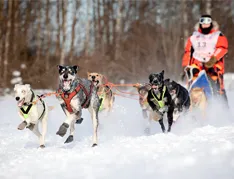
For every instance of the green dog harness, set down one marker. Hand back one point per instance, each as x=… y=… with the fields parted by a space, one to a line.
x=102 y=98
x=159 y=99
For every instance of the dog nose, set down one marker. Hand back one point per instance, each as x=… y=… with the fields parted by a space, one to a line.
x=17 y=98
x=65 y=76
x=93 y=77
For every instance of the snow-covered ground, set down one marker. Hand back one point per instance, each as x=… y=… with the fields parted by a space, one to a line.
x=194 y=149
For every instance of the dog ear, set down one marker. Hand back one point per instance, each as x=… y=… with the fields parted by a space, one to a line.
x=28 y=87
x=60 y=67
x=16 y=86
x=151 y=76
x=162 y=73
x=88 y=73
x=76 y=68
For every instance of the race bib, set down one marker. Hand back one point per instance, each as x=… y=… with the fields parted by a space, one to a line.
x=204 y=45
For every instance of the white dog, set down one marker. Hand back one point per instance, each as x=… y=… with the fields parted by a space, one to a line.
x=32 y=109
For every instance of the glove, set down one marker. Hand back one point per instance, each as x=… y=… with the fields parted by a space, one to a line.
x=211 y=62
x=163 y=109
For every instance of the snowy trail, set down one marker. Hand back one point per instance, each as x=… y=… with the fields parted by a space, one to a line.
x=190 y=151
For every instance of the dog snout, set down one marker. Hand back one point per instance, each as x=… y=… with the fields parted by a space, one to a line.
x=17 y=98
x=93 y=77
x=65 y=76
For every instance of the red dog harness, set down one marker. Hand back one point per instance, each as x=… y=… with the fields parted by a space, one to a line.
x=67 y=97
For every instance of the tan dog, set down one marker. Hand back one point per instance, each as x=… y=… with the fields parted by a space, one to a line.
x=198 y=100
x=105 y=93
x=147 y=111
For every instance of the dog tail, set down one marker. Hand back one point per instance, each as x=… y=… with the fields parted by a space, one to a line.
x=50 y=108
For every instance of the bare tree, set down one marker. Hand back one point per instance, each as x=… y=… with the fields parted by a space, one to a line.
x=7 y=43
x=39 y=31
x=64 y=29
x=87 y=30
x=48 y=31
x=73 y=36
x=57 y=53
x=1 y=37
x=16 y=29
x=185 y=20
x=118 y=29
x=208 y=7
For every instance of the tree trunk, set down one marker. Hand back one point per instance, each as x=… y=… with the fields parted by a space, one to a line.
x=208 y=7
x=185 y=21
x=118 y=29
x=16 y=29
x=48 y=29
x=1 y=37
x=64 y=20
x=73 y=35
x=87 y=35
x=38 y=41
x=58 y=30
x=7 y=43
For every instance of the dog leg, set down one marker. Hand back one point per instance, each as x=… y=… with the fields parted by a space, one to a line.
x=63 y=128
x=72 y=130
x=79 y=118
x=94 y=116
x=170 y=119
x=95 y=127
x=44 y=129
x=162 y=125
x=147 y=129
x=38 y=134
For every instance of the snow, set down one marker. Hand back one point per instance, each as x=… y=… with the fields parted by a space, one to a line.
x=194 y=149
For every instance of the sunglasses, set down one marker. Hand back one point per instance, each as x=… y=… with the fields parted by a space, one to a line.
x=205 y=20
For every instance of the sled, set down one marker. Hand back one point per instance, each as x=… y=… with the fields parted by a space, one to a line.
x=202 y=81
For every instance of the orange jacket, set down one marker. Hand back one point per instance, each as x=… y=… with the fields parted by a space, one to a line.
x=220 y=51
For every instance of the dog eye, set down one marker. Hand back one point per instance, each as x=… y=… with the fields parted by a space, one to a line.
x=23 y=91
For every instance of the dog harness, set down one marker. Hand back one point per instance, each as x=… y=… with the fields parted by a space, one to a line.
x=102 y=98
x=159 y=99
x=26 y=108
x=67 y=97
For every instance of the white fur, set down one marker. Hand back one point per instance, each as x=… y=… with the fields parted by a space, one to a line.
x=24 y=92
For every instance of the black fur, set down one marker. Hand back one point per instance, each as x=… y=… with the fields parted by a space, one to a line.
x=158 y=81
x=180 y=95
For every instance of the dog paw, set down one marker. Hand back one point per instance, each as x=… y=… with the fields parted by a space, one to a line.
x=22 y=125
x=79 y=121
x=42 y=146
x=69 y=139
x=94 y=145
x=62 y=129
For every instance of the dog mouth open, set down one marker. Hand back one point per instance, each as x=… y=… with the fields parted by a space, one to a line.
x=67 y=82
x=21 y=102
x=95 y=82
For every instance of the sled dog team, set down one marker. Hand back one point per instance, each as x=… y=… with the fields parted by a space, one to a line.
x=160 y=96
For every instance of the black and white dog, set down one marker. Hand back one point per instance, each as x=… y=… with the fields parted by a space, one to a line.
x=160 y=99
x=180 y=96
x=74 y=94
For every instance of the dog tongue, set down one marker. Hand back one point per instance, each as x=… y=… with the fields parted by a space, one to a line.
x=66 y=82
x=20 y=103
x=153 y=86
